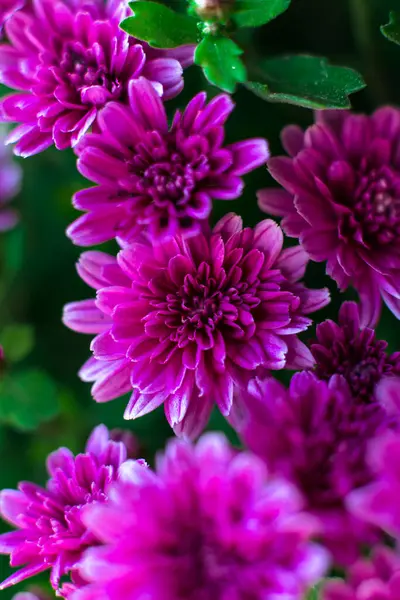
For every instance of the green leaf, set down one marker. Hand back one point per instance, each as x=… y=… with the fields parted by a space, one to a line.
x=27 y=399
x=17 y=342
x=392 y=29
x=307 y=81
x=253 y=13
x=219 y=58
x=160 y=26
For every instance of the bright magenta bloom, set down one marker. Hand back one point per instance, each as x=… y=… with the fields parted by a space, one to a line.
x=341 y=198
x=184 y=323
x=378 y=503
x=317 y=436
x=155 y=179
x=208 y=524
x=50 y=533
x=374 y=579
x=352 y=351
x=68 y=59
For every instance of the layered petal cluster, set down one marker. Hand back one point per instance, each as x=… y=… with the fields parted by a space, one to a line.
x=207 y=524
x=10 y=184
x=375 y=579
x=352 y=351
x=316 y=436
x=341 y=198
x=68 y=59
x=378 y=503
x=7 y=8
x=157 y=179
x=50 y=533
x=184 y=322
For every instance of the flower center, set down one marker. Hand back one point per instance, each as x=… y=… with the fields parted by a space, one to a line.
x=85 y=71
x=378 y=205
x=167 y=174
x=206 y=304
x=362 y=367
x=168 y=182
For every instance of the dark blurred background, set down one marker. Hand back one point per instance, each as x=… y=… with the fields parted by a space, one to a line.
x=50 y=406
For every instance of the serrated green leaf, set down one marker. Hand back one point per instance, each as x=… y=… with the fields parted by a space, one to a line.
x=307 y=81
x=253 y=13
x=392 y=29
x=219 y=58
x=160 y=26
x=27 y=399
x=17 y=342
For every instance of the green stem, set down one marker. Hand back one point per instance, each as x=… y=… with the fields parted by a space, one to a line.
x=362 y=24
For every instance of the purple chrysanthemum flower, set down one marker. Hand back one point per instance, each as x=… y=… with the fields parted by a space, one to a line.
x=7 y=8
x=342 y=200
x=69 y=59
x=154 y=178
x=211 y=525
x=182 y=323
x=378 y=503
x=10 y=183
x=375 y=579
x=50 y=533
x=316 y=436
x=345 y=348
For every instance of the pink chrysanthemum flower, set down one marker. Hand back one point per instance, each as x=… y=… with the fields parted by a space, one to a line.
x=50 y=533
x=10 y=184
x=316 y=436
x=352 y=351
x=377 y=578
x=208 y=524
x=378 y=503
x=7 y=8
x=341 y=198
x=157 y=178
x=184 y=322
x=68 y=59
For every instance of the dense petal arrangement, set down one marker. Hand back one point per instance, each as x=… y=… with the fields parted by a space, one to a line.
x=212 y=526
x=352 y=351
x=315 y=435
x=154 y=178
x=184 y=322
x=10 y=183
x=378 y=503
x=342 y=200
x=50 y=533
x=373 y=579
x=68 y=59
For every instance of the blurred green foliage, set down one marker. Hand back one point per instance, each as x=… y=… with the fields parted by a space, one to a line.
x=37 y=261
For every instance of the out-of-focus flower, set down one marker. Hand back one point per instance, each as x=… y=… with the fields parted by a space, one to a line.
x=50 y=533
x=375 y=579
x=33 y=593
x=68 y=59
x=7 y=8
x=378 y=503
x=10 y=183
x=184 y=322
x=348 y=349
x=316 y=436
x=209 y=523
x=341 y=198
x=157 y=178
